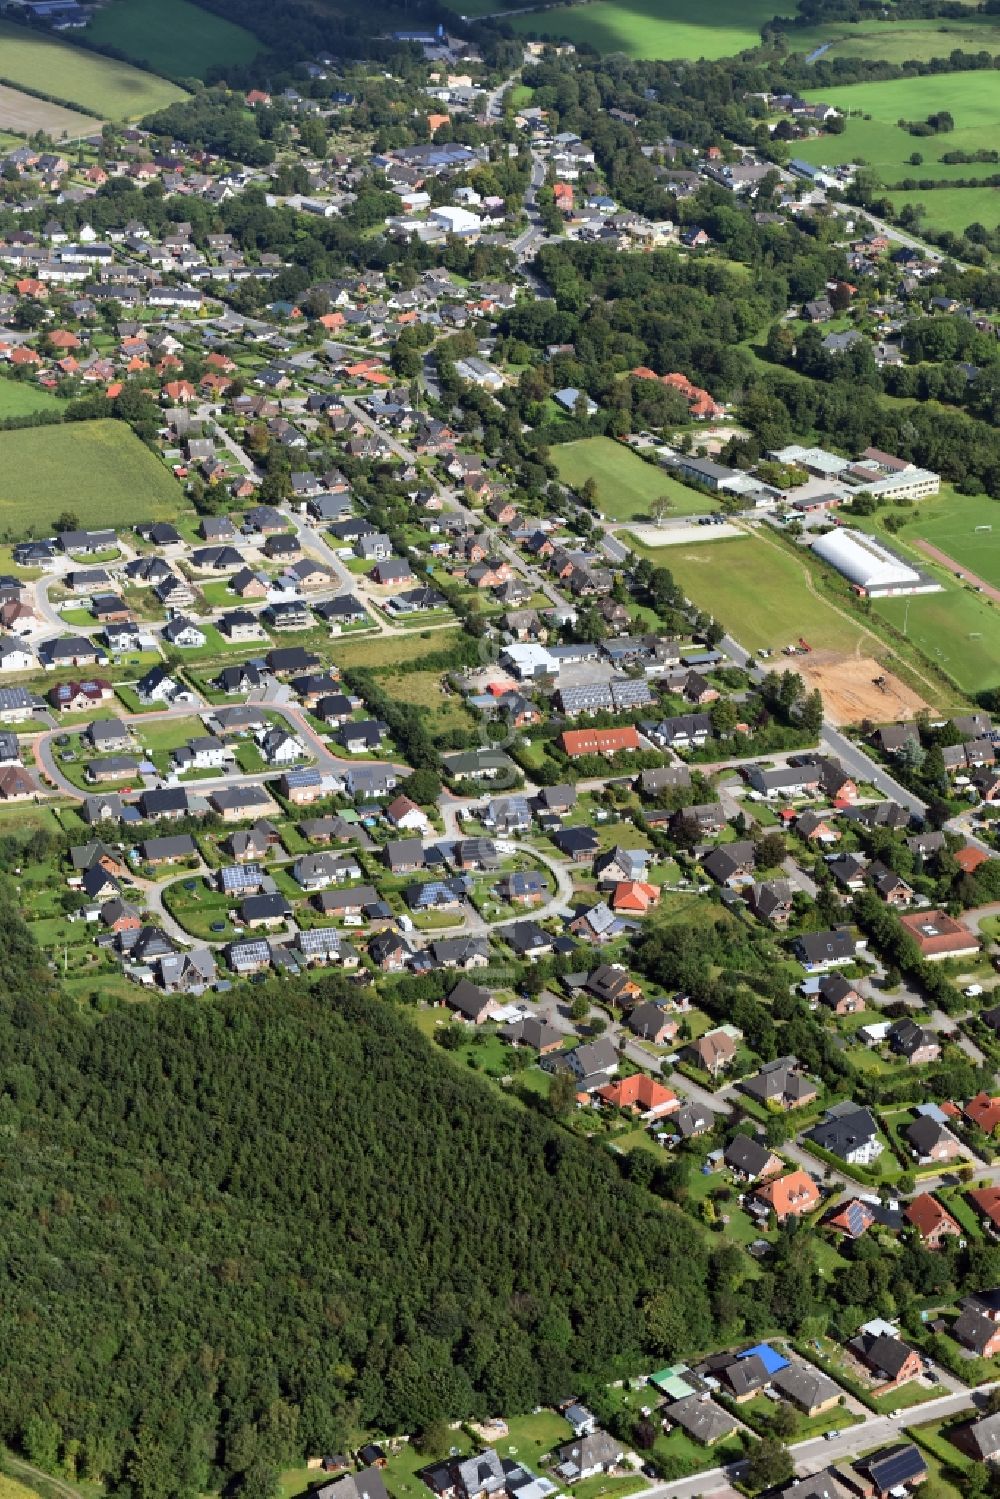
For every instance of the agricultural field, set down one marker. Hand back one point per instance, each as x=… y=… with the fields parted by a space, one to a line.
x=898 y=41
x=626 y=484
x=953 y=207
x=654 y=28
x=758 y=592
x=172 y=35
x=112 y=90
x=881 y=142
x=98 y=470
x=24 y=115
x=21 y=398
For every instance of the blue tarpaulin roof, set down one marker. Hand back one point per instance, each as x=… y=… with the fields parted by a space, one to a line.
x=773 y=1361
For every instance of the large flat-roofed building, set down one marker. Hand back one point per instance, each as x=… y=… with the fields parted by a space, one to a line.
x=869 y=566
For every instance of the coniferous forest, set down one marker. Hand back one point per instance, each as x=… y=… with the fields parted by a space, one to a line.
x=237 y=1231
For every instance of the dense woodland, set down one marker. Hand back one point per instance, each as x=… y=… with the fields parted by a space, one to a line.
x=239 y=1231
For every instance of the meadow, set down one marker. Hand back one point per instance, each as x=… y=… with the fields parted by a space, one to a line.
x=98 y=470
x=898 y=41
x=654 y=28
x=173 y=35
x=759 y=592
x=112 y=90
x=954 y=207
x=21 y=398
x=626 y=484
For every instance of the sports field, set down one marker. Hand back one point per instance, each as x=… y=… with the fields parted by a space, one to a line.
x=761 y=594
x=114 y=90
x=898 y=41
x=181 y=39
x=957 y=630
x=654 y=28
x=973 y=99
x=967 y=527
x=626 y=484
x=99 y=471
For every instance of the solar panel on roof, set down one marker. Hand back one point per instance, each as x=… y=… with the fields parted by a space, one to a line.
x=855 y=1219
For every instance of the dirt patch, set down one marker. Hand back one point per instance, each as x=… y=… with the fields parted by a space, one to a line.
x=24 y=114
x=958 y=571
x=847 y=684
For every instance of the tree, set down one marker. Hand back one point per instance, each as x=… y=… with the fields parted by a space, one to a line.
x=770 y=1464
x=661 y=508
x=422 y=787
x=562 y=1094
x=580 y=1008
x=68 y=520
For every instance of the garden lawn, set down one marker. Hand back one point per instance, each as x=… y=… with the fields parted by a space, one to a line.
x=626 y=484
x=654 y=28
x=898 y=41
x=99 y=471
x=759 y=593
x=172 y=36
x=110 y=89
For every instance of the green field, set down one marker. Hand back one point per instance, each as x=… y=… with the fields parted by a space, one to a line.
x=759 y=593
x=974 y=101
x=626 y=484
x=173 y=35
x=21 y=398
x=898 y=41
x=949 y=521
x=113 y=90
x=98 y=470
x=954 y=208
x=654 y=28
x=957 y=630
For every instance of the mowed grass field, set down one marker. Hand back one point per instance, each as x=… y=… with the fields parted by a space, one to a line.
x=178 y=37
x=967 y=527
x=973 y=99
x=114 y=90
x=626 y=484
x=898 y=41
x=759 y=592
x=954 y=208
x=653 y=28
x=957 y=629
x=98 y=470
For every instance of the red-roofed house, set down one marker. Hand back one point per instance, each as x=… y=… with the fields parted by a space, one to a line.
x=642 y=1095
x=789 y=1197
x=577 y=742
x=635 y=897
x=986 y=1201
x=933 y=1223
x=984 y=1112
